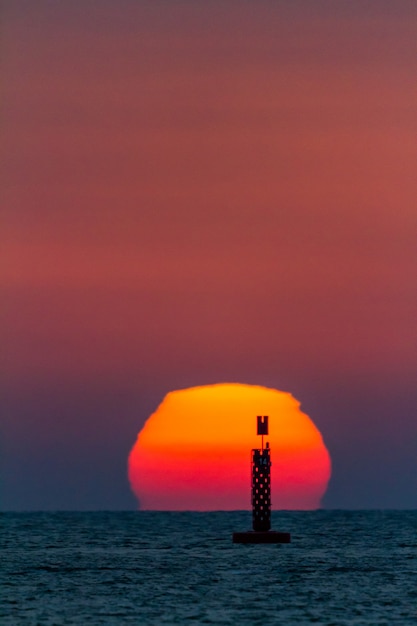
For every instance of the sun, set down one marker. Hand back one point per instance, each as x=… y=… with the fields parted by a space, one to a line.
x=194 y=452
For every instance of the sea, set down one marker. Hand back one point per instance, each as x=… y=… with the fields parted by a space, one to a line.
x=341 y=568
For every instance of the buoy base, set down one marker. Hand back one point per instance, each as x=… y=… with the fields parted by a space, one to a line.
x=268 y=536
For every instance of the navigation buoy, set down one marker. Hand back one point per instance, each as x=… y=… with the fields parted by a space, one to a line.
x=261 y=495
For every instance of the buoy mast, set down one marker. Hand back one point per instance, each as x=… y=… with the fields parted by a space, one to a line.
x=261 y=480
x=261 y=495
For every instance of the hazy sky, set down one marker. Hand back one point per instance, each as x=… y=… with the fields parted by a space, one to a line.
x=199 y=192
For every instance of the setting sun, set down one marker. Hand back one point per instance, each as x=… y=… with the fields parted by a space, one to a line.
x=193 y=453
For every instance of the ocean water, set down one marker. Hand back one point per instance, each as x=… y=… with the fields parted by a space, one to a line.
x=342 y=568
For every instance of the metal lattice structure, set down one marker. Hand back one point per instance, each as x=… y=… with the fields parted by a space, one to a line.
x=261 y=495
x=261 y=489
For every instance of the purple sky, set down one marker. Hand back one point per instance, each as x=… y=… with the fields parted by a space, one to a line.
x=207 y=192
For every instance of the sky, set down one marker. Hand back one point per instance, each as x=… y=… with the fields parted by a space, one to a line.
x=202 y=192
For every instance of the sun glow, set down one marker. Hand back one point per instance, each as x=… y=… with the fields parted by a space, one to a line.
x=193 y=453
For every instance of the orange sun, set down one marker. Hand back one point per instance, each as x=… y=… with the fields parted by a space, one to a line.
x=194 y=452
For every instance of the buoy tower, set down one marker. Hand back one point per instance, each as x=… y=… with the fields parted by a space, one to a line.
x=261 y=495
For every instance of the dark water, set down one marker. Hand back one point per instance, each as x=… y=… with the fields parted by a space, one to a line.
x=182 y=568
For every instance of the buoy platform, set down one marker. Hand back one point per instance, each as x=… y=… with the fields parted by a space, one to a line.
x=269 y=536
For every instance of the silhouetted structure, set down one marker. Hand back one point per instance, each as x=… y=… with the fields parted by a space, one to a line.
x=261 y=495
x=261 y=489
